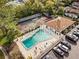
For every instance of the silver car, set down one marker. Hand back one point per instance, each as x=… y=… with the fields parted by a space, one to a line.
x=66 y=44
x=58 y=51
x=72 y=37
x=63 y=48
x=76 y=33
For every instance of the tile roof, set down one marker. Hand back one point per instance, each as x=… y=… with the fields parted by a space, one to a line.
x=60 y=23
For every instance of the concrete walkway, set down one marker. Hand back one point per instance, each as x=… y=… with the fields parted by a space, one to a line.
x=4 y=52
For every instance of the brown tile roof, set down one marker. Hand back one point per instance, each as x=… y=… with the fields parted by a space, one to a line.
x=60 y=23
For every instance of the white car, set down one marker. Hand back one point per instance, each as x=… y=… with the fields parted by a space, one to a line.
x=63 y=48
x=72 y=15
x=66 y=44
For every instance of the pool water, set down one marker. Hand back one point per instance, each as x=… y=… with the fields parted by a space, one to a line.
x=39 y=36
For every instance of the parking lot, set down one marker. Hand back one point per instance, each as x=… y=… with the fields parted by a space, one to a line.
x=72 y=54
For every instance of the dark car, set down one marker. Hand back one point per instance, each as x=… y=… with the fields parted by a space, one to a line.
x=63 y=48
x=66 y=44
x=72 y=37
x=58 y=51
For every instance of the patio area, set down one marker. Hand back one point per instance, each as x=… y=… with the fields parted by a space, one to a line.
x=39 y=49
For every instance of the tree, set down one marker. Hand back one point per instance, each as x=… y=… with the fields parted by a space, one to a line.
x=2 y=2
x=67 y=2
x=49 y=6
x=37 y=7
x=8 y=23
x=60 y=11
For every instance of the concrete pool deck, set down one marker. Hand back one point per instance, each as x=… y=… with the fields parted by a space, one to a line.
x=39 y=49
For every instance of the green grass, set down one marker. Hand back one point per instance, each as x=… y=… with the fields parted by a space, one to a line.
x=1 y=55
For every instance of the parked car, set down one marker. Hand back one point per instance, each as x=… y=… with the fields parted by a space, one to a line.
x=78 y=28
x=72 y=37
x=75 y=7
x=66 y=44
x=58 y=51
x=48 y=57
x=63 y=48
x=66 y=8
x=75 y=4
x=76 y=33
x=71 y=15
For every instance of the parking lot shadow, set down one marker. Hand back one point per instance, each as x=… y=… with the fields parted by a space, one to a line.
x=58 y=56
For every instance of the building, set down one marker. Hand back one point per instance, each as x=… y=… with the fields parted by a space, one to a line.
x=60 y=23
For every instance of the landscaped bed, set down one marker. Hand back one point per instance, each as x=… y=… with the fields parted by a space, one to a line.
x=1 y=55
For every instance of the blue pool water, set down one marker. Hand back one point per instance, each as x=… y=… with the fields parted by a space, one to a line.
x=37 y=37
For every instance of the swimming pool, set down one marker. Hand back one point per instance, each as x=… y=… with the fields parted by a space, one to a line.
x=39 y=36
